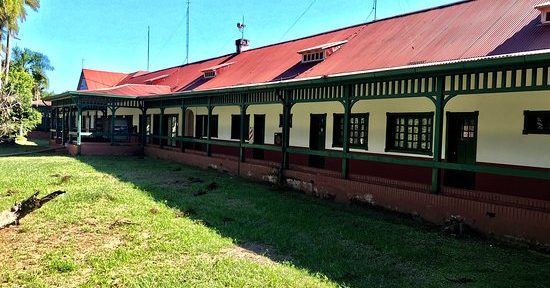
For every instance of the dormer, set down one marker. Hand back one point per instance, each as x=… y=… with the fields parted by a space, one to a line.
x=156 y=80
x=320 y=52
x=544 y=9
x=214 y=71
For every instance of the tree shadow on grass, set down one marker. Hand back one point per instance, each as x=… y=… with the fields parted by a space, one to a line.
x=352 y=246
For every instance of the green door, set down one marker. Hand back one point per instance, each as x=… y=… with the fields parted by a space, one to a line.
x=259 y=135
x=317 y=136
x=461 y=148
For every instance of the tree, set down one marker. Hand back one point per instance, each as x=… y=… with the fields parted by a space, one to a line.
x=11 y=12
x=16 y=111
x=34 y=63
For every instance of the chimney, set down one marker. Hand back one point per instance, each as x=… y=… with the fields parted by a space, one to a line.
x=242 y=45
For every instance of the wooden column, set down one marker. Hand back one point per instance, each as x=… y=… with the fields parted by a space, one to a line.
x=70 y=124
x=143 y=126
x=161 y=128
x=79 y=129
x=63 y=126
x=345 y=139
x=208 y=128
x=244 y=132
x=113 y=118
x=183 y=126
x=438 y=133
x=287 y=106
x=52 y=118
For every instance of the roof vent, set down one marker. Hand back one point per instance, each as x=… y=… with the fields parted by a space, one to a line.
x=544 y=9
x=213 y=71
x=242 y=45
x=320 y=52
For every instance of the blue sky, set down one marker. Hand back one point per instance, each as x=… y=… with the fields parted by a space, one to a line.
x=112 y=34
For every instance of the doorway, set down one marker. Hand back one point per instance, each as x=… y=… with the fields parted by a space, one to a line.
x=259 y=136
x=317 y=138
x=461 y=148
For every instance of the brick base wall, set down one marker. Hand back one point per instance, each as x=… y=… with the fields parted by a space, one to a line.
x=500 y=219
x=105 y=149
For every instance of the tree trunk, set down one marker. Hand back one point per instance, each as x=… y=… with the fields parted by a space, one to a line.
x=8 y=56
x=20 y=210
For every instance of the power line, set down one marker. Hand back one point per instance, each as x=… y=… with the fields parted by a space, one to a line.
x=299 y=17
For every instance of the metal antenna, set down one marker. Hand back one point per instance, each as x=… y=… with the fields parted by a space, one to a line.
x=374 y=6
x=241 y=27
x=83 y=63
x=148 y=45
x=187 y=39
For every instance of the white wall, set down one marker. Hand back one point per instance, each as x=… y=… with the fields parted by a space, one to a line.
x=500 y=137
x=500 y=126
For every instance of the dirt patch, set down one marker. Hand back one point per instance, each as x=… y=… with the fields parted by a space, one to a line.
x=29 y=255
x=10 y=192
x=257 y=252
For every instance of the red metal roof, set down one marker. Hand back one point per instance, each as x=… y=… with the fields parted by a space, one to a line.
x=131 y=90
x=96 y=79
x=464 y=30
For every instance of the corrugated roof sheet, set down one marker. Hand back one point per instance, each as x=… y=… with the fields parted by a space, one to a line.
x=468 y=29
x=96 y=79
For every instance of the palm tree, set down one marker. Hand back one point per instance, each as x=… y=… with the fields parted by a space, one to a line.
x=11 y=12
x=34 y=63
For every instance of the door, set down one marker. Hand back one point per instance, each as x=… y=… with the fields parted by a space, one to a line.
x=317 y=136
x=259 y=136
x=461 y=148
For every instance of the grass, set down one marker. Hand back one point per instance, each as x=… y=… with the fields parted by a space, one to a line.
x=132 y=222
x=23 y=145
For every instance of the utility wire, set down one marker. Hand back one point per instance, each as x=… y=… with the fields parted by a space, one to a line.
x=299 y=17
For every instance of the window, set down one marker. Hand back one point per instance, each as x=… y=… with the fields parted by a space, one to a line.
x=281 y=120
x=547 y=18
x=409 y=132
x=236 y=126
x=468 y=129
x=536 y=122
x=358 y=130
x=202 y=124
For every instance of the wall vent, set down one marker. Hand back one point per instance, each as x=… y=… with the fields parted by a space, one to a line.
x=544 y=9
x=320 y=52
x=213 y=71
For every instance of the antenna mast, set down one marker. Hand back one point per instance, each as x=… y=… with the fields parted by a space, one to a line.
x=374 y=6
x=187 y=39
x=148 y=45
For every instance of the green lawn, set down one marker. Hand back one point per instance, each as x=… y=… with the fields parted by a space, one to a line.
x=132 y=222
x=28 y=145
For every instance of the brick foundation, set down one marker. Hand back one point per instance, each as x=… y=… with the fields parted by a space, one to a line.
x=492 y=214
x=90 y=148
